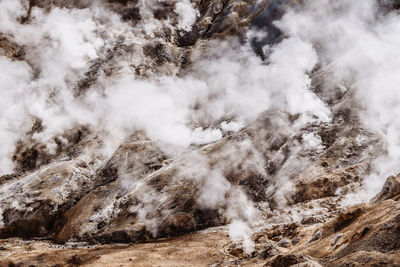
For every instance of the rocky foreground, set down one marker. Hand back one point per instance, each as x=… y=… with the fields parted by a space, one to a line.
x=282 y=180
x=364 y=235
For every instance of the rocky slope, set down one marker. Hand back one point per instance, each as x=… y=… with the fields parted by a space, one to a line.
x=359 y=236
x=276 y=187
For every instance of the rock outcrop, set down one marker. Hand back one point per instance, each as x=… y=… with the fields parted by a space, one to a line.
x=391 y=189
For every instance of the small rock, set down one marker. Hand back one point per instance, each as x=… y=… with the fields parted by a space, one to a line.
x=295 y=241
x=284 y=243
x=311 y=220
x=291 y=260
x=267 y=252
x=336 y=239
x=236 y=251
x=315 y=237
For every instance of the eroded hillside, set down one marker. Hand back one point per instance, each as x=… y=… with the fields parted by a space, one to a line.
x=221 y=133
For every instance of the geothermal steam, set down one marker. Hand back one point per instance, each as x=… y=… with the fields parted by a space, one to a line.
x=354 y=42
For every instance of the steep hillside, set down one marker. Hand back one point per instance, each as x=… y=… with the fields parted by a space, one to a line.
x=201 y=133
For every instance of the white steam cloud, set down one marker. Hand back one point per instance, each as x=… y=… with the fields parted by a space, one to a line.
x=357 y=44
x=224 y=90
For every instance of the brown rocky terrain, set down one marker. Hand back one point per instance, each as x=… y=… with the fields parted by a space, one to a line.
x=363 y=235
x=284 y=180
